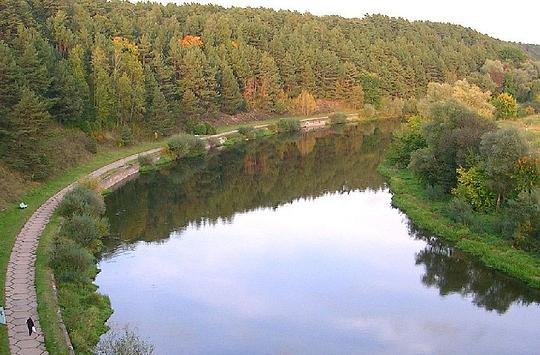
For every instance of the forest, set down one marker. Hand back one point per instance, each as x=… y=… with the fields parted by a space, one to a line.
x=80 y=74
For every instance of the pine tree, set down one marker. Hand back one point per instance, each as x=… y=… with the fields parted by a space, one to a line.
x=268 y=95
x=9 y=79
x=27 y=124
x=35 y=73
x=231 y=98
x=68 y=104
x=160 y=118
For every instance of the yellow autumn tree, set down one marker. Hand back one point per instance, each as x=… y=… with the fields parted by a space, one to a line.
x=474 y=98
x=462 y=91
x=304 y=104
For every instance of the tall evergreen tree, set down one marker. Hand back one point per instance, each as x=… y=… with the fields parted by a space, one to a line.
x=231 y=98
x=27 y=124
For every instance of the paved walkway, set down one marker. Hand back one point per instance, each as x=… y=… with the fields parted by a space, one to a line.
x=20 y=291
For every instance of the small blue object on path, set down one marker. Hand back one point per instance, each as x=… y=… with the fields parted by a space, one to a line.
x=2 y=316
x=22 y=205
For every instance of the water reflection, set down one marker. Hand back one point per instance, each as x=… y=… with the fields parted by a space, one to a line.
x=266 y=173
x=292 y=246
x=451 y=271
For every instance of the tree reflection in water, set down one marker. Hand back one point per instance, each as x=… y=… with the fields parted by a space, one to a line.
x=454 y=272
x=271 y=172
x=263 y=173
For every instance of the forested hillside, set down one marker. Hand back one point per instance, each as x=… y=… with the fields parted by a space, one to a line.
x=74 y=73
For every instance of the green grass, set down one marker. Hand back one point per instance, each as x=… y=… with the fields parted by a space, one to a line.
x=493 y=251
x=270 y=121
x=12 y=220
x=47 y=302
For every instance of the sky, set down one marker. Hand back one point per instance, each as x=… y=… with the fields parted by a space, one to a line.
x=516 y=20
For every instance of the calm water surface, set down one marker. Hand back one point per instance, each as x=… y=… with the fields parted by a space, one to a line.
x=292 y=246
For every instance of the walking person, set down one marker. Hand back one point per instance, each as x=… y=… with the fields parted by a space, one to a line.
x=30 y=325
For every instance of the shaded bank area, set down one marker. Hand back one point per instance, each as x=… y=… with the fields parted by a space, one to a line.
x=452 y=271
x=494 y=252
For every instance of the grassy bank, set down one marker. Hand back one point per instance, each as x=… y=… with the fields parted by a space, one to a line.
x=12 y=220
x=47 y=302
x=494 y=251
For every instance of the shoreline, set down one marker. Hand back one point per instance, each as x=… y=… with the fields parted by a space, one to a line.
x=492 y=251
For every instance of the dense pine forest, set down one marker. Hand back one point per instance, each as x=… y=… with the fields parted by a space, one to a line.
x=77 y=73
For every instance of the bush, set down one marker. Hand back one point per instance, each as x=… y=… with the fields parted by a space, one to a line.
x=288 y=125
x=185 y=145
x=145 y=160
x=82 y=200
x=202 y=128
x=70 y=260
x=232 y=141
x=246 y=131
x=405 y=141
x=435 y=192
x=126 y=342
x=338 y=118
x=473 y=187
x=521 y=220
x=91 y=145
x=84 y=230
x=126 y=136
x=459 y=211
x=369 y=111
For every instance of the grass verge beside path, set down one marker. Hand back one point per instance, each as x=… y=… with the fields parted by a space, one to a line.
x=47 y=302
x=13 y=219
x=493 y=251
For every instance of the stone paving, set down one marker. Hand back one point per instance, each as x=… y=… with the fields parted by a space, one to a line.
x=20 y=291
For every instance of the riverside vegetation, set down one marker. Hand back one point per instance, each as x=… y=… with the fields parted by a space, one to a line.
x=74 y=249
x=89 y=76
x=458 y=174
x=86 y=74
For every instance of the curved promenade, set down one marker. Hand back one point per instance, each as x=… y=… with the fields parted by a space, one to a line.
x=20 y=290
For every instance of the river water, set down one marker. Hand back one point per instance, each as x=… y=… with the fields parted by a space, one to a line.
x=290 y=245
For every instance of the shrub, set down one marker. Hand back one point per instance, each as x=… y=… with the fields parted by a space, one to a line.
x=84 y=230
x=82 y=200
x=185 y=145
x=305 y=104
x=126 y=342
x=506 y=106
x=473 y=187
x=261 y=133
x=126 y=136
x=459 y=211
x=338 y=118
x=521 y=220
x=145 y=160
x=232 y=141
x=70 y=260
x=91 y=145
x=369 y=111
x=435 y=192
x=405 y=141
x=202 y=128
x=288 y=125
x=246 y=131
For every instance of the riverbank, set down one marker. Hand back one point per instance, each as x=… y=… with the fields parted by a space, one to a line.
x=428 y=214
x=12 y=220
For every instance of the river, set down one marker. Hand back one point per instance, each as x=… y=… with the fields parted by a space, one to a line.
x=290 y=245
